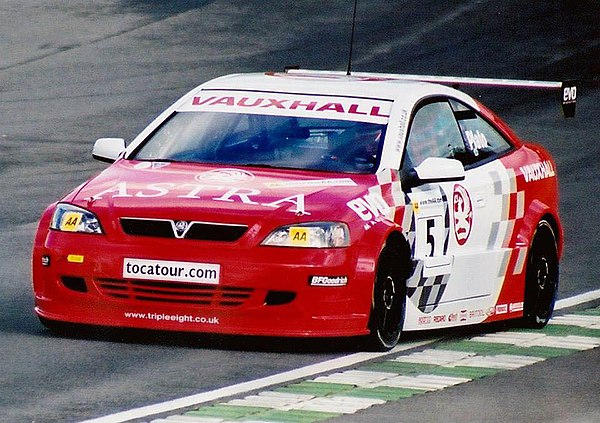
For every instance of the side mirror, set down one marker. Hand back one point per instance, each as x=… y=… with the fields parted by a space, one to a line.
x=436 y=169
x=108 y=149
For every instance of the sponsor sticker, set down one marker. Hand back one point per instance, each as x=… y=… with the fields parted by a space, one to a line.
x=476 y=313
x=401 y=128
x=369 y=206
x=282 y=104
x=177 y=271
x=299 y=236
x=424 y=320
x=502 y=309
x=416 y=206
x=151 y=165
x=75 y=258
x=476 y=141
x=179 y=318
x=201 y=191
x=225 y=175
x=516 y=306
x=338 y=182
x=439 y=318
x=538 y=171
x=328 y=280
x=70 y=221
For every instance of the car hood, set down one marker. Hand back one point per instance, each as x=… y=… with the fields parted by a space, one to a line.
x=183 y=191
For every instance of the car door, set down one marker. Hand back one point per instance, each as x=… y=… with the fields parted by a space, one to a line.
x=433 y=133
x=458 y=227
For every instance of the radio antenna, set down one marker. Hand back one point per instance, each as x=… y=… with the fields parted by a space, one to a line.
x=352 y=39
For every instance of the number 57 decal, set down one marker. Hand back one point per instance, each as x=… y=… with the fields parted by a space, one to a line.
x=430 y=236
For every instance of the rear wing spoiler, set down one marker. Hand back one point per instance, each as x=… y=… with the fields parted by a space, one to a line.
x=568 y=89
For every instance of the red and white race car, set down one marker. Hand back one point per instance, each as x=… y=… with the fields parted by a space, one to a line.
x=307 y=204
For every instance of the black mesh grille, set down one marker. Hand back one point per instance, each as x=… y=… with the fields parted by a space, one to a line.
x=142 y=227
x=197 y=230
x=211 y=232
x=174 y=292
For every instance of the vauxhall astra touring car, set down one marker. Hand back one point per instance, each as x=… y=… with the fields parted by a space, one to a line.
x=307 y=204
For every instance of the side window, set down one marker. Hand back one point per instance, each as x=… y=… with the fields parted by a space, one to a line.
x=482 y=140
x=433 y=133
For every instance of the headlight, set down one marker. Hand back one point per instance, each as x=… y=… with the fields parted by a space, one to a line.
x=69 y=218
x=311 y=235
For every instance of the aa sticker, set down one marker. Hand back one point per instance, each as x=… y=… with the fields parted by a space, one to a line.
x=299 y=236
x=70 y=221
x=416 y=206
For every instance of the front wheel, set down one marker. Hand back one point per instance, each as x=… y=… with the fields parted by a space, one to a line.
x=388 y=303
x=541 y=280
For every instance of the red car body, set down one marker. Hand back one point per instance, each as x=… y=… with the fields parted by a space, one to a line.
x=183 y=245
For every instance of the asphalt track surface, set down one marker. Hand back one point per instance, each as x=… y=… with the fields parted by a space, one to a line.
x=71 y=72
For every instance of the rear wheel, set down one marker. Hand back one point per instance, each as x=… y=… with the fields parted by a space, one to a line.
x=541 y=280
x=388 y=304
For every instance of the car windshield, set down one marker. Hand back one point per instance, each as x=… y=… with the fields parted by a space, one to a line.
x=266 y=140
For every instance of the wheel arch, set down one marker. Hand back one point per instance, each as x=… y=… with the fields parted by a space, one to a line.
x=536 y=213
x=394 y=251
x=556 y=229
x=396 y=239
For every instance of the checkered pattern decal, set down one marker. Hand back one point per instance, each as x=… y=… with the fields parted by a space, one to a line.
x=428 y=291
x=513 y=208
x=503 y=230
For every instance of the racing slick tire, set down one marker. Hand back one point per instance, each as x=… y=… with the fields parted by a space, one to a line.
x=389 y=301
x=541 y=278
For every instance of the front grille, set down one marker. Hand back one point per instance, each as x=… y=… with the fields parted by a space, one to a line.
x=174 y=292
x=212 y=232
x=165 y=228
x=147 y=227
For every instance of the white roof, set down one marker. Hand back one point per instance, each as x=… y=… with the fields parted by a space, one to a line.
x=403 y=92
x=376 y=98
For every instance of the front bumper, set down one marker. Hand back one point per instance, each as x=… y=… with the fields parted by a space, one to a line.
x=78 y=278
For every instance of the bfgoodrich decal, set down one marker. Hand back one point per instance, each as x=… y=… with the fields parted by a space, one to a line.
x=328 y=280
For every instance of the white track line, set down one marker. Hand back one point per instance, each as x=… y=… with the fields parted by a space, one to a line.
x=240 y=388
x=303 y=372
x=577 y=299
